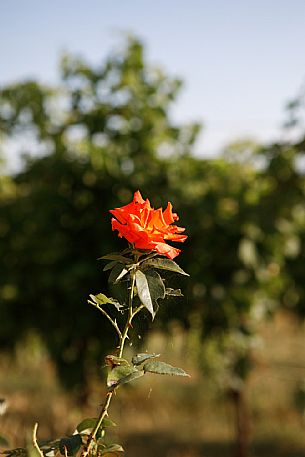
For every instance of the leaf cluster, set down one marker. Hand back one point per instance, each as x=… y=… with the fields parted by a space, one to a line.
x=71 y=445
x=122 y=372
x=150 y=286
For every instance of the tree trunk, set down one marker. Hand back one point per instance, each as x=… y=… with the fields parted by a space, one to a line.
x=243 y=423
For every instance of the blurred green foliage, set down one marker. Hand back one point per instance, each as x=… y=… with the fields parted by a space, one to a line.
x=102 y=134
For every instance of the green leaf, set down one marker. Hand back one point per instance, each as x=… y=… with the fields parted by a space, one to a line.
x=164 y=264
x=150 y=287
x=3 y=442
x=116 y=256
x=140 y=252
x=50 y=448
x=117 y=273
x=101 y=299
x=122 y=374
x=108 y=422
x=173 y=292
x=117 y=373
x=112 y=449
x=163 y=368
x=18 y=452
x=140 y=358
x=87 y=425
x=110 y=265
x=132 y=376
x=71 y=444
x=113 y=361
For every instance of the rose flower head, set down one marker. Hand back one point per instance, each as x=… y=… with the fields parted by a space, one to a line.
x=148 y=228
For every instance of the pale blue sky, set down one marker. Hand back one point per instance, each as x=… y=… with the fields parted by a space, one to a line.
x=240 y=60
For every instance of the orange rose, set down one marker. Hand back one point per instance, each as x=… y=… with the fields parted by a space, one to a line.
x=148 y=228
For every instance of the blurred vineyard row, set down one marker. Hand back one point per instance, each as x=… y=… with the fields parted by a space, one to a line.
x=88 y=144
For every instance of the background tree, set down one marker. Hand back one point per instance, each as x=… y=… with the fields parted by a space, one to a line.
x=103 y=133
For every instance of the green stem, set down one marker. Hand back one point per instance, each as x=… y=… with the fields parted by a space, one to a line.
x=92 y=436
x=113 y=322
x=123 y=336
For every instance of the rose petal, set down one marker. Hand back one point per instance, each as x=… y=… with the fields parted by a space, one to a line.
x=147 y=228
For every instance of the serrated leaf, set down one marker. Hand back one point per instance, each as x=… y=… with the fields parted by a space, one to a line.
x=173 y=292
x=164 y=264
x=101 y=299
x=3 y=442
x=117 y=273
x=71 y=444
x=111 y=450
x=163 y=368
x=140 y=358
x=122 y=374
x=150 y=288
x=115 y=256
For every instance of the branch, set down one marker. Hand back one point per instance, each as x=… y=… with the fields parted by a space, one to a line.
x=113 y=322
x=137 y=310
